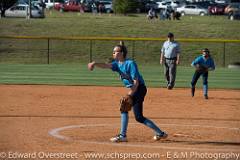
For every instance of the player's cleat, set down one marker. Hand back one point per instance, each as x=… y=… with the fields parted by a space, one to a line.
x=192 y=91
x=169 y=87
x=159 y=137
x=206 y=96
x=118 y=138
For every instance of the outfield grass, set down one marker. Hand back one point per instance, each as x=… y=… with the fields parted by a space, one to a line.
x=60 y=74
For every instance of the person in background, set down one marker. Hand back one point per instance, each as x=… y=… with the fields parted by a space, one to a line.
x=152 y=14
x=170 y=57
x=202 y=64
x=94 y=8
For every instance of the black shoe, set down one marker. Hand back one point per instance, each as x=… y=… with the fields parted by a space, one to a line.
x=169 y=87
x=193 y=91
x=206 y=96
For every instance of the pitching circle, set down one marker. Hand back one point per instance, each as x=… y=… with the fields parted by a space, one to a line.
x=56 y=133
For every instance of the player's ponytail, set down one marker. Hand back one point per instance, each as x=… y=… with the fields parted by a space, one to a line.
x=123 y=49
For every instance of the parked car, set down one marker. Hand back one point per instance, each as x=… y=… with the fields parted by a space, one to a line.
x=88 y=4
x=146 y=5
x=47 y=3
x=151 y=4
x=50 y=3
x=57 y=6
x=203 y=4
x=73 y=6
x=165 y=4
x=107 y=6
x=234 y=7
x=221 y=1
x=40 y=4
x=20 y=10
x=234 y=15
x=192 y=10
x=217 y=9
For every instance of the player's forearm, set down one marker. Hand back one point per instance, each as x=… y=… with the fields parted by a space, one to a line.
x=161 y=58
x=103 y=65
x=133 y=89
x=194 y=63
x=178 y=57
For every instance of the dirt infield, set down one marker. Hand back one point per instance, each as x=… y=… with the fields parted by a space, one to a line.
x=76 y=122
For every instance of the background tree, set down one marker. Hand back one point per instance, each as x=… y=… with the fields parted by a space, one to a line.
x=5 y=4
x=125 y=6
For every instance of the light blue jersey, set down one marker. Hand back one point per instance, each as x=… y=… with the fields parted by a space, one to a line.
x=208 y=63
x=128 y=72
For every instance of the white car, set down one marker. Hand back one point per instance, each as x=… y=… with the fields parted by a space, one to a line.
x=108 y=6
x=221 y=1
x=50 y=3
x=193 y=10
x=20 y=10
x=165 y=4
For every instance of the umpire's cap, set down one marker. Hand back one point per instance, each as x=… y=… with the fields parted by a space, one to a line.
x=170 y=35
x=205 y=50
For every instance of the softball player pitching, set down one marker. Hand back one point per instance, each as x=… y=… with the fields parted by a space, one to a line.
x=132 y=79
x=203 y=64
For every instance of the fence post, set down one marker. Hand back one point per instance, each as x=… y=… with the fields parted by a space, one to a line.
x=224 y=52
x=133 y=49
x=90 y=50
x=48 y=53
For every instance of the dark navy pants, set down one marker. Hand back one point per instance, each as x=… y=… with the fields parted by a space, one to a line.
x=138 y=99
x=205 y=80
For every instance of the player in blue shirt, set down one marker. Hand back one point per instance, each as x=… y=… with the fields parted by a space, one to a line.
x=132 y=79
x=203 y=64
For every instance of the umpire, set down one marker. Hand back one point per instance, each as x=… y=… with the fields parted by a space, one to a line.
x=170 y=54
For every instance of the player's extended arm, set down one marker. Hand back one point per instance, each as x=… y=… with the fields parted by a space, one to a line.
x=100 y=65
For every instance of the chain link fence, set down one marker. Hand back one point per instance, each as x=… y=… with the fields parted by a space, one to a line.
x=56 y=50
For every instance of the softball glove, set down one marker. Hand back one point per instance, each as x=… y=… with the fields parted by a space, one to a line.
x=126 y=103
